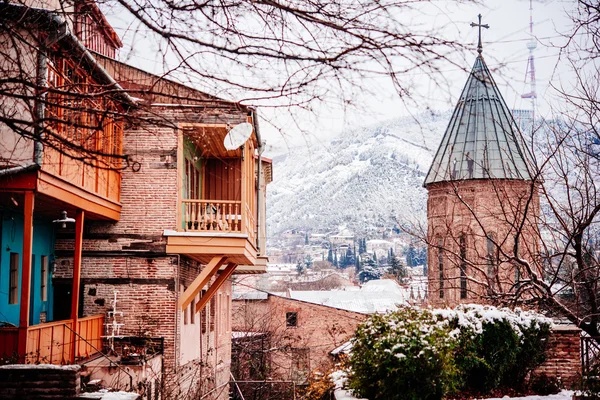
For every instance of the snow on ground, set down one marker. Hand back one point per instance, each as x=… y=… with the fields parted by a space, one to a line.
x=105 y=395
x=564 y=395
x=341 y=394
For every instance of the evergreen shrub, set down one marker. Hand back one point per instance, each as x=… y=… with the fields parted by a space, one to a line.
x=428 y=354
x=406 y=354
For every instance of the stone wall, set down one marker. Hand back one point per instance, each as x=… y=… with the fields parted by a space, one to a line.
x=487 y=214
x=25 y=382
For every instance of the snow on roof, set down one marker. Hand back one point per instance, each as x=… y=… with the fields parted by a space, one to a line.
x=344 y=349
x=241 y=335
x=377 y=297
x=379 y=241
x=382 y=285
x=250 y=295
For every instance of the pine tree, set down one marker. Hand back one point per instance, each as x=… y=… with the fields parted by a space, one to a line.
x=369 y=271
x=398 y=269
x=330 y=255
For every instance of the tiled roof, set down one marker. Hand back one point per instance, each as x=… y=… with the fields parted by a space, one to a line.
x=482 y=140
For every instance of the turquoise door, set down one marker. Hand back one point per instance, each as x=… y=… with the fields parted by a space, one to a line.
x=41 y=274
x=11 y=255
x=11 y=262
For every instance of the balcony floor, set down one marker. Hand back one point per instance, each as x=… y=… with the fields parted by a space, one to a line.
x=204 y=246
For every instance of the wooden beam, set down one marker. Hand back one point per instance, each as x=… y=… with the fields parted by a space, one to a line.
x=26 y=273
x=78 y=197
x=212 y=290
x=201 y=280
x=76 y=279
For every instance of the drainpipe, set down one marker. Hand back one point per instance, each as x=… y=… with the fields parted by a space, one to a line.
x=258 y=181
x=38 y=117
x=40 y=106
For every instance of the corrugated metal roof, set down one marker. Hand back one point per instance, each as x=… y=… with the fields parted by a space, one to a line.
x=482 y=140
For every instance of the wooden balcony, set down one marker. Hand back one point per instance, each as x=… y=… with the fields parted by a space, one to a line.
x=52 y=342
x=224 y=216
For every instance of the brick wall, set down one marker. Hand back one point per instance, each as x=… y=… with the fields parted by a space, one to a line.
x=563 y=356
x=320 y=329
x=25 y=382
x=478 y=209
x=129 y=257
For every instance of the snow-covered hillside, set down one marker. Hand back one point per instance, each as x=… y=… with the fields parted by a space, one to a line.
x=362 y=179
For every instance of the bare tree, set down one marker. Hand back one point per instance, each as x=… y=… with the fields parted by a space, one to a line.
x=266 y=53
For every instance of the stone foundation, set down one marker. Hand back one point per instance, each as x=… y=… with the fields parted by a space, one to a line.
x=33 y=382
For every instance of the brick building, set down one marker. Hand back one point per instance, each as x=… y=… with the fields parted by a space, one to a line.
x=293 y=337
x=160 y=227
x=483 y=202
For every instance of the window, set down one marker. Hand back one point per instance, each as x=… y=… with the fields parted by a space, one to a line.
x=516 y=265
x=185 y=310
x=213 y=313
x=193 y=311
x=291 y=319
x=203 y=315
x=441 y=266
x=192 y=179
x=44 y=280
x=300 y=365
x=492 y=259
x=13 y=284
x=462 y=242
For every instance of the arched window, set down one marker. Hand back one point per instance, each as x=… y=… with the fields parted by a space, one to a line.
x=492 y=259
x=440 y=243
x=462 y=243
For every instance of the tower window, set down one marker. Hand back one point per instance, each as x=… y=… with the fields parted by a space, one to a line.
x=441 y=266
x=462 y=242
x=492 y=259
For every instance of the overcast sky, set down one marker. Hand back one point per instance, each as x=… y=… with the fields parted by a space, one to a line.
x=504 y=49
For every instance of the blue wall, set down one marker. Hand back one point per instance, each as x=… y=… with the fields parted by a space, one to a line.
x=11 y=241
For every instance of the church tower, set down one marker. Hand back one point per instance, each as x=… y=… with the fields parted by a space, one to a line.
x=483 y=202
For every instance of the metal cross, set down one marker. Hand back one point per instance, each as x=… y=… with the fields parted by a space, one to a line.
x=486 y=26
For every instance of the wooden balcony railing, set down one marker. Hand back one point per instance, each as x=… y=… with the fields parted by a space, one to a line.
x=213 y=215
x=51 y=343
x=250 y=223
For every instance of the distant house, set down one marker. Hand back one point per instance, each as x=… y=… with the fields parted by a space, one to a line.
x=287 y=338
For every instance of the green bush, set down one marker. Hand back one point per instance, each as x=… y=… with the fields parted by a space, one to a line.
x=422 y=354
x=496 y=347
x=402 y=355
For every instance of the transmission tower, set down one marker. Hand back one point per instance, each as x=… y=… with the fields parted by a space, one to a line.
x=530 y=72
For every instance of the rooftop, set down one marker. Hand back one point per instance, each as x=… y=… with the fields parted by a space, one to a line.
x=482 y=140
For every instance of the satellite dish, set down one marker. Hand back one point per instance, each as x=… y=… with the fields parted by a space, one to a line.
x=237 y=136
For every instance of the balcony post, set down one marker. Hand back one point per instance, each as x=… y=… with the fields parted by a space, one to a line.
x=26 y=274
x=76 y=280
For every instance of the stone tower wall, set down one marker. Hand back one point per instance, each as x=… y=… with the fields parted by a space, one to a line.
x=463 y=216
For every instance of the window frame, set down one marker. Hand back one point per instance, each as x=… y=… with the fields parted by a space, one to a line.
x=291 y=319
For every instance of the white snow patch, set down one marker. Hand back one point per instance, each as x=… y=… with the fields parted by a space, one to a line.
x=42 y=366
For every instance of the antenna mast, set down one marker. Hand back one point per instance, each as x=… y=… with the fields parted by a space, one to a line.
x=531 y=45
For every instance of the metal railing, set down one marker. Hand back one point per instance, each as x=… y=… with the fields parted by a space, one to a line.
x=590 y=355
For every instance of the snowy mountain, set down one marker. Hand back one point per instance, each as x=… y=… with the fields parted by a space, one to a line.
x=363 y=179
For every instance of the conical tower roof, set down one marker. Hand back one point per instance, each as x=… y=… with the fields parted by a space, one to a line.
x=482 y=140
